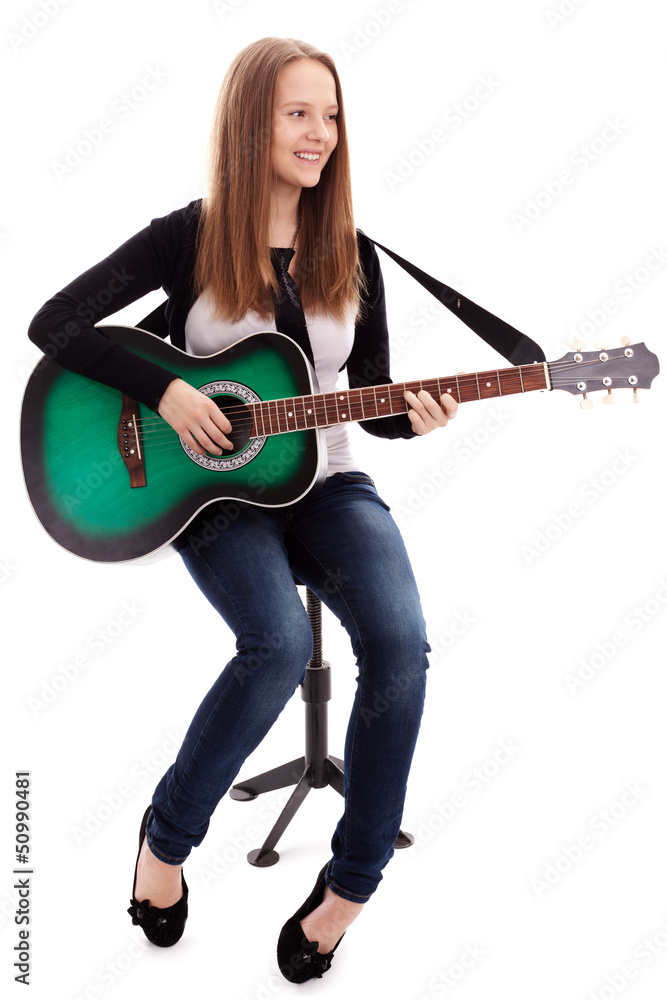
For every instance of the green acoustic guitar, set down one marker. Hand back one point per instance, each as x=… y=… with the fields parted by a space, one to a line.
x=112 y=481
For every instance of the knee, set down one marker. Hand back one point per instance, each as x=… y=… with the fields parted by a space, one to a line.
x=398 y=642
x=279 y=652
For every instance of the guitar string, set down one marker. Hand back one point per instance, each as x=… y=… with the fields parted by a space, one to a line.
x=154 y=424
x=463 y=381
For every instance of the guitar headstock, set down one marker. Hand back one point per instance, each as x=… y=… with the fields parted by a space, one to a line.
x=631 y=366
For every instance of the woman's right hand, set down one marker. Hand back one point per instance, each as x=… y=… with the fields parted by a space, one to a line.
x=197 y=419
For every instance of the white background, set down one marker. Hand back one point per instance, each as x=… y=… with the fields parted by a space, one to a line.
x=516 y=596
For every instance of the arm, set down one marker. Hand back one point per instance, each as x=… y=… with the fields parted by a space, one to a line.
x=64 y=328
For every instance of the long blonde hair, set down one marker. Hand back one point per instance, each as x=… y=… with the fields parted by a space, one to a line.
x=233 y=257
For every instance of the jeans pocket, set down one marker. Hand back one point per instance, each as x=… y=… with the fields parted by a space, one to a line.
x=354 y=477
x=366 y=486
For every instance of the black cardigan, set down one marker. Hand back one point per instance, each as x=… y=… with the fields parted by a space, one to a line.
x=163 y=256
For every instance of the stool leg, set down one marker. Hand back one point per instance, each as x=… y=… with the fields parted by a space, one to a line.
x=265 y=855
x=317 y=769
x=277 y=777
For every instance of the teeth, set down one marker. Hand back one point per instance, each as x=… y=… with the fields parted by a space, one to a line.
x=308 y=156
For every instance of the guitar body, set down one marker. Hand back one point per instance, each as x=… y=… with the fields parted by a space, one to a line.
x=78 y=480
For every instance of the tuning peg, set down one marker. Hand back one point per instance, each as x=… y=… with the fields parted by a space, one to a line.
x=586 y=403
x=626 y=341
x=610 y=397
x=635 y=396
x=577 y=345
x=601 y=344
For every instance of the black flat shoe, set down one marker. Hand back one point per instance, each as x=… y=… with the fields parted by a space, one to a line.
x=162 y=927
x=298 y=958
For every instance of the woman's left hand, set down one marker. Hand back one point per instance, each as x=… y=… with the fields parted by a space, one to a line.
x=426 y=413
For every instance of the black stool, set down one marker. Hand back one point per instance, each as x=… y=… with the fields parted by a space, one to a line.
x=317 y=768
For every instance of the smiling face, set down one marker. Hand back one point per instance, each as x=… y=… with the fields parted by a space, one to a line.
x=304 y=125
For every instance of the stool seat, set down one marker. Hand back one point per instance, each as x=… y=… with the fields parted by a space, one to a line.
x=317 y=768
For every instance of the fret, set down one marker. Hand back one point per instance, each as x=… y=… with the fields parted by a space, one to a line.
x=279 y=416
x=327 y=414
x=300 y=411
x=293 y=413
x=275 y=416
x=309 y=417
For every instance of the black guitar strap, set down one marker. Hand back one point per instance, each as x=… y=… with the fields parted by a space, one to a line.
x=513 y=345
x=516 y=347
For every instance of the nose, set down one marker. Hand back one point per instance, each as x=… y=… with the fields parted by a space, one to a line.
x=318 y=131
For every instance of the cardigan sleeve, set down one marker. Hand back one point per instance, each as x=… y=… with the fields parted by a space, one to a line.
x=368 y=363
x=64 y=328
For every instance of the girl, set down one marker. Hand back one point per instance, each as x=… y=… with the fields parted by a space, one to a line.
x=273 y=246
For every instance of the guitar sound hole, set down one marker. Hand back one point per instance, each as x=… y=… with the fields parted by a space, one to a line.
x=241 y=422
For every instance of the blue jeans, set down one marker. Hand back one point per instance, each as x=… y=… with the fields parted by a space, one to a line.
x=343 y=544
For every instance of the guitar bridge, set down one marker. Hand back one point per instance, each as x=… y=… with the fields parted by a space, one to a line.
x=129 y=442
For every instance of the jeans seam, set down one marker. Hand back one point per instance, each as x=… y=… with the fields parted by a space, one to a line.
x=332 y=883
x=362 y=681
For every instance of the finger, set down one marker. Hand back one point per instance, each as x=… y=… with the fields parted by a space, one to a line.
x=215 y=435
x=426 y=407
x=450 y=404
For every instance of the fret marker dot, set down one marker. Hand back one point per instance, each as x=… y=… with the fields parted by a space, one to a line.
x=309 y=411
x=382 y=400
x=289 y=414
x=344 y=416
x=488 y=385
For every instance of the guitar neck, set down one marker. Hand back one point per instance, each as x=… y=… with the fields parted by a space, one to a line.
x=326 y=409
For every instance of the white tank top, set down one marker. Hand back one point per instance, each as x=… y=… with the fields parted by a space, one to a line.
x=331 y=342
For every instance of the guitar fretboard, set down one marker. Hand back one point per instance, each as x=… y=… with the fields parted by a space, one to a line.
x=279 y=416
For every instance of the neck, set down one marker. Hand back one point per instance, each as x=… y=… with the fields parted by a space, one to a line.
x=284 y=218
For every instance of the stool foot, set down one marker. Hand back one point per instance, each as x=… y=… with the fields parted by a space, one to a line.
x=263 y=859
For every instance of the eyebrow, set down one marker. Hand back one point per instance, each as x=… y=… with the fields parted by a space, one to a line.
x=306 y=104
